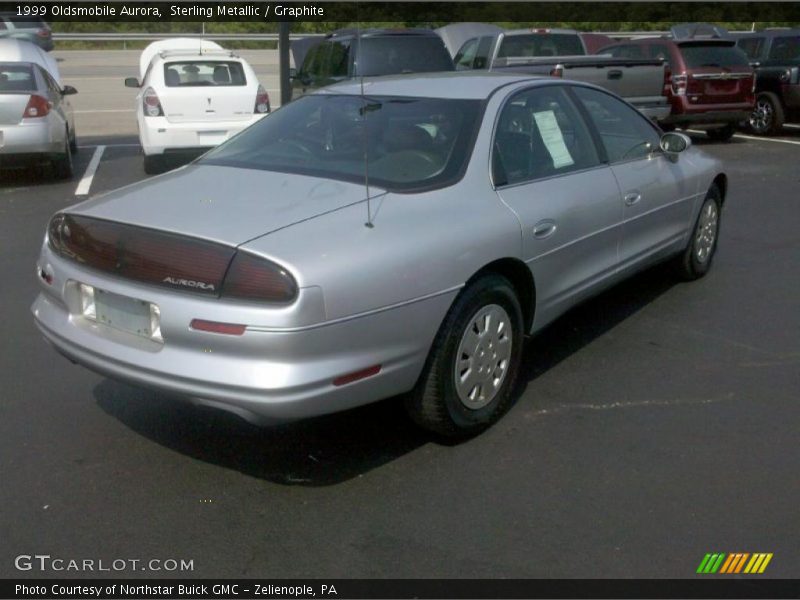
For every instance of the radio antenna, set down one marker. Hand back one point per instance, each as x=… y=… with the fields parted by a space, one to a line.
x=364 y=112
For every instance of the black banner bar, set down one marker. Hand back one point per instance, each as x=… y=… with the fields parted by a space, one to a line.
x=701 y=587
x=418 y=12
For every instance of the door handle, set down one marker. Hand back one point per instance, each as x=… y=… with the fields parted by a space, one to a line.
x=615 y=74
x=544 y=229
x=632 y=198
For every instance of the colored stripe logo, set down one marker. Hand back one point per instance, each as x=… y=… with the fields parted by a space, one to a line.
x=740 y=562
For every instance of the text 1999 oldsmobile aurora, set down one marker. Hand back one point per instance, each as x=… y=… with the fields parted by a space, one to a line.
x=256 y=280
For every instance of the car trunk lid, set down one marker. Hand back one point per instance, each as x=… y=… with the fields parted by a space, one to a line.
x=718 y=73
x=12 y=106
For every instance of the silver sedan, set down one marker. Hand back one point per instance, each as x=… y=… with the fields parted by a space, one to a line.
x=360 y=244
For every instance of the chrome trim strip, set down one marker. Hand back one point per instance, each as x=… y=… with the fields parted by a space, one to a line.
x=722 y=76
x=366 y=313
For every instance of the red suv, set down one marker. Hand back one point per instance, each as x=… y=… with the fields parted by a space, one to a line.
x=709 y=81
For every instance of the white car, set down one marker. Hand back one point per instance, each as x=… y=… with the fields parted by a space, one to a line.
x=193 y=96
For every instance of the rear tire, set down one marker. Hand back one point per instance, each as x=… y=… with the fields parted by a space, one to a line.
x=696 y=259
x=63 y=167
x=468 y=379
x=723 y=134
x=73 y=142
x=767 y=117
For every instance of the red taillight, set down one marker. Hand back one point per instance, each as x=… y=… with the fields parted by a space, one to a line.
x=215 y=327
x=362 y=374
x=135 y=253
x=151 y=104
x=43 y=33
x=37 y=106
x=252 y=278
x=679 y=84
x=262 y=101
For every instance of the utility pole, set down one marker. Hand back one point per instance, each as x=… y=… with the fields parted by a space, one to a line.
x=283 y=61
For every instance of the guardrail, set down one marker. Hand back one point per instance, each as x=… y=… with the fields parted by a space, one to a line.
x=151 y=37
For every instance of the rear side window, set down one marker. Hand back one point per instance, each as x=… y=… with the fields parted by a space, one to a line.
x=392 y=55
x=713 y=56
x=629 y=51
x=16 y=78
x=659 y=51
x=197 y=73
x=751 y=46
x=338 y=59
x=541 y=44
x=785 y=48
x=466 y=56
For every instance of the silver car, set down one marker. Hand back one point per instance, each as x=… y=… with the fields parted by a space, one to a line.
x=352 y=247
x=36 y=119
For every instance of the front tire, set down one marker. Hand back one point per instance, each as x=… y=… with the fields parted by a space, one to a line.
x=468 y=379
x=63 y=167
x=767 y=117
x=696 y=260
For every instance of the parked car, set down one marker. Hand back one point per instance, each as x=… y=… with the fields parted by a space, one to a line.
x=193 y=96
x=710 y=82
x=26 y=28
x=37 y=123
x=349 y=53
x=272 y=279
x=564 y=53
x=775 y=54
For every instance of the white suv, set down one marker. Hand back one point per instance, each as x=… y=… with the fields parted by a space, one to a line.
x=193 y=96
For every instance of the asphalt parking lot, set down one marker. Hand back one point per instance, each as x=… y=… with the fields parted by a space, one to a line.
x=654 y=424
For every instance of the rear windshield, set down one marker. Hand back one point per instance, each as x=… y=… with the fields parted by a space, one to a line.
x=785 y=48
x=713 y=56
x=409 y=143
x=26 y=22
x=541 y=44
x=195 y=73
x=392 y=55
x=16 y=78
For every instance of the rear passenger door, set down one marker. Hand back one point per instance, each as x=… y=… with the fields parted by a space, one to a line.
x=656 y=191
x=546 y=168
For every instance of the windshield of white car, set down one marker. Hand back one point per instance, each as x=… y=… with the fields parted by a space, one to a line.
x=409 y=143
x=15 y=77
x=195 y=73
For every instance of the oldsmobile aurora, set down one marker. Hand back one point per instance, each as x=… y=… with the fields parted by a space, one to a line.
x=270 y=279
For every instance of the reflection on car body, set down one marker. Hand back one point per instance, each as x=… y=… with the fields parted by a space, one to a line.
x=498 y=202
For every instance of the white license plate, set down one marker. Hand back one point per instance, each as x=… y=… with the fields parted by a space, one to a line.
x=123 y=313
x=207 y=138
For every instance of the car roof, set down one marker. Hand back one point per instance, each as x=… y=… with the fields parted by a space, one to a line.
x=457 y=84
x=15 y=50
x=380 y=32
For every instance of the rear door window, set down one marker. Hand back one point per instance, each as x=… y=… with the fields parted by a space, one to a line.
x=751 y=46
x=659 y=51
x=482 y=55
x=199 y=73
x=785 y=48
x=466 y=56
x=338 y=59
x=712 y=56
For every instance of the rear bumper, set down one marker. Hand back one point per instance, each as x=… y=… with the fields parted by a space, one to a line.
x=265 y=375
x=710 y=117
x=28 y=139
x=158 y=135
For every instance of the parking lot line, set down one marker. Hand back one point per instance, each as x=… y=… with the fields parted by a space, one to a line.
x=105 y=110
x=763 y=139
x=86 y=181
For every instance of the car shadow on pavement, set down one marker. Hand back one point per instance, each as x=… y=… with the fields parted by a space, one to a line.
x=335 y=448
x=316 y=452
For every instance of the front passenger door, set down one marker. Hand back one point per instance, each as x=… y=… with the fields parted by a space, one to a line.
x=656 y=192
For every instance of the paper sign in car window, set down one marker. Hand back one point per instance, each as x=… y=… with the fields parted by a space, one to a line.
x=553 y=138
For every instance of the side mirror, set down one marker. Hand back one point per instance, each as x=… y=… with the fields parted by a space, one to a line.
x=292 y=73
x=755 y=64
x=68 y=90
x=132 y=82
x=673 y=143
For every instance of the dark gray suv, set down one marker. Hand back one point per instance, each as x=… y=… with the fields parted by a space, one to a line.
x=349 y=53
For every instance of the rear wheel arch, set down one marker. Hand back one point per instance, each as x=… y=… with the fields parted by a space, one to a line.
x=520 y=277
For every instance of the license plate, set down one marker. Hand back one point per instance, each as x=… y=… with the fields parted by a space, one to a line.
x=123 y=313
x=207 y=138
